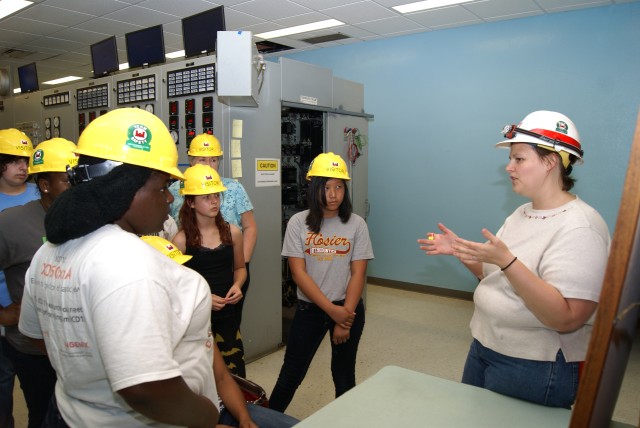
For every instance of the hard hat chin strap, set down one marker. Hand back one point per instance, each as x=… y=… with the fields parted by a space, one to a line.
x=563 y=155
x=83 y=173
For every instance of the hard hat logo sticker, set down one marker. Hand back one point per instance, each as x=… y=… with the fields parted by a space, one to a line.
x=38 y=157
x=562 y=126
x=139 y=137
x=24 y=142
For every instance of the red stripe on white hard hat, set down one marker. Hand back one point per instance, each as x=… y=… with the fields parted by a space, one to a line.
x=558 y=136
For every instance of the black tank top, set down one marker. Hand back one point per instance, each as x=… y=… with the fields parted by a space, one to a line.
x=216 y=266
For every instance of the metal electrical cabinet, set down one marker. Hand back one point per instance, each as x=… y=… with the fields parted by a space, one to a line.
x=183 y=94
x=320 y=113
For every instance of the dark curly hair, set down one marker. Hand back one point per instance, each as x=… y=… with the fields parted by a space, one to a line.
x=88 y=206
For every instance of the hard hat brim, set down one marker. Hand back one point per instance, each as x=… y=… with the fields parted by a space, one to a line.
x=199 y=192
x=174 y=173
x=182 y=258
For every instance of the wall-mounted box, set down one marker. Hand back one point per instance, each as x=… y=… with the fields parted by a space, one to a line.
x=237 y=66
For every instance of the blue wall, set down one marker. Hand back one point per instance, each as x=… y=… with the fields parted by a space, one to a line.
x=440 y=99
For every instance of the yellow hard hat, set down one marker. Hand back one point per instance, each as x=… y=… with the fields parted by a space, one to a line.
x=53 y=155
x=328 y=165
x=167 y=248
x=201 y=180
x=132 y=136
x=205 y=145
x=16 y=143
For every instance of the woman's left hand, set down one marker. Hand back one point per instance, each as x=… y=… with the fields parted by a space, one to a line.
x=234 y=295
x=340 y=334
x=493 y=251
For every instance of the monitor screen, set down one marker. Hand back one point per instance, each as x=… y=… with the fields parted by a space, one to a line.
x=200 y=31
x=104 y=57
x=145 y=47
x=28 y=78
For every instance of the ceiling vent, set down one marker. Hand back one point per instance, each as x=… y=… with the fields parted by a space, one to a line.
x=325 y=39
x=15 y=53
x=265 y=47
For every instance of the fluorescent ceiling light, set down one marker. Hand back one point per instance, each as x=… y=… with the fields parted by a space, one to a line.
x=176 y=54
x=62 y=80
x=7 y=7
x=427 y=4
x=123 y=66
x=300 y=29
x=17 y=91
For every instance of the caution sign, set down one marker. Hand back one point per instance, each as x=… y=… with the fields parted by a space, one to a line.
x=267 y=172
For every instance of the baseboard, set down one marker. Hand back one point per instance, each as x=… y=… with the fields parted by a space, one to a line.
x=419 y=288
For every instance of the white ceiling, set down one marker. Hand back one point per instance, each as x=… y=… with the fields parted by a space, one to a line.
x=56 y=34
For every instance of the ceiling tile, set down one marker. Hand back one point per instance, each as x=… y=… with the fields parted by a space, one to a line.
x=272 y=9
x=177 y=8
x=392 y=3
x=324 y=4
x=108 y=26
x=235 y=20
x=172 y=42
x=390 y=25
x=57 y=44
x=561 y=5
x=443 y=17
x=55 y=15
x=58 y=63
x=174 y=27
x=37 y=56
x=226 y=2
x=262 y=27
x=356 y=32
x=90 y=37
x=305 y=18
x=95 y=8
x=363 y=11
x=491 y=9
x=12 y=37
x=141 y=16
x=76 y=57
x=30 y=26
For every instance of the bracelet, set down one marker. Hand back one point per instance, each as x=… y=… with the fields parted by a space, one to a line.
x=510 y=263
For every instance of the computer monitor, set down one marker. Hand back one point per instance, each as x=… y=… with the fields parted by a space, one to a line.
x=28 y=78
x=104 y=57
x=200 y=31
x=145 y=47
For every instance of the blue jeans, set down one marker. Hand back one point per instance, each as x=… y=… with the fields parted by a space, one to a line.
x=54 y=418
x=263 y=417
x=37 y=381
x=7 y=376
x=550 y=383
x=308 y=328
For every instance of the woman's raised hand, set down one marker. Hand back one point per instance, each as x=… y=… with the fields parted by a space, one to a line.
x=438 y=243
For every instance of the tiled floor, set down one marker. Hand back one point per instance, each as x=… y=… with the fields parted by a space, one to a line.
x=421 y=332
x=417 y=331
